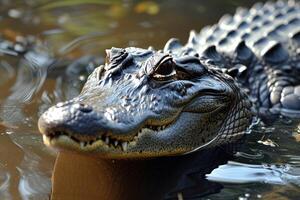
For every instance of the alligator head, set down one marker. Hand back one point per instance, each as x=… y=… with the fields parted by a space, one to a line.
x=146 y=103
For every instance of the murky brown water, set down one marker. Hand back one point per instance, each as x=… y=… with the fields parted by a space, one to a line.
x=265 y=169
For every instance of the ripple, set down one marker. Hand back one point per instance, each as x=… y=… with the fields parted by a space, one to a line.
x=33 y=183
x=31 y=74
x=248 y=173
x=6 y=71
x=4 y=185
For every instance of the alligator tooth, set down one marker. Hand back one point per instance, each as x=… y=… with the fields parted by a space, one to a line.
x=158 y=128
x=164 y=126
x=116 y=143
x=107 y=140
x=81 y=144
x=124 y=146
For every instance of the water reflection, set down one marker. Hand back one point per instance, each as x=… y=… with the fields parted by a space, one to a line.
x=4 y=185
x=31 y=74
x=33 y=183
x=93 y=178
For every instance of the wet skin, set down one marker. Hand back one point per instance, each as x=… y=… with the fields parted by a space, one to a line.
x=147 y=103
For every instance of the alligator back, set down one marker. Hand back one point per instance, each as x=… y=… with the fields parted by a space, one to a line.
x=261 y=48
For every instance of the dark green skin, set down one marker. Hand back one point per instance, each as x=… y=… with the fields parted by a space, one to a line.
x=186 y=88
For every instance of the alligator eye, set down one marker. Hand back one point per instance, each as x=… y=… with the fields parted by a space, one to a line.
x=165 y=70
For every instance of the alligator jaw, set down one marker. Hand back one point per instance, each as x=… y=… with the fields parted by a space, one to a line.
x=92 y=143
x=107 y=144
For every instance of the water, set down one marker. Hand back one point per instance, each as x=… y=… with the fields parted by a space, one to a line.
x=268 y=166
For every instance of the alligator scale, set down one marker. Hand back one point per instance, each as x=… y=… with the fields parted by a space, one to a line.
x=148 y=103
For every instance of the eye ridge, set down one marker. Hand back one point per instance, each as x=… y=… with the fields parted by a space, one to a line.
x=115 y=56
x=165 y=69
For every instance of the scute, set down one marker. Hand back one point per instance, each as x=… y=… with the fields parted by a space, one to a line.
x=276 y=54
x=244 y=54
x=172 y=45
x=212 y=53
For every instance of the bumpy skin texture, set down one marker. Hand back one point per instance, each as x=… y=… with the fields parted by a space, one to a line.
x=262 y=48
x=146 y=103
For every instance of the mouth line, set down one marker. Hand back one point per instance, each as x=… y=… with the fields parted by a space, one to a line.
x=106 y=140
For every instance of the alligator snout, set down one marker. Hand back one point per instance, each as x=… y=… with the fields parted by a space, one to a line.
x=79 y=125
x=82 y=126
x=70 y=118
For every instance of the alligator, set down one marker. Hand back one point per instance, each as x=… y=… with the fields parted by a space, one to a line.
x=150 y=103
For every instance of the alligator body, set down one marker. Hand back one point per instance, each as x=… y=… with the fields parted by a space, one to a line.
x=261 y=47
x=148 y=103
